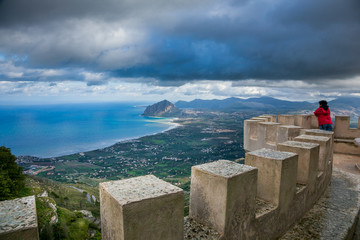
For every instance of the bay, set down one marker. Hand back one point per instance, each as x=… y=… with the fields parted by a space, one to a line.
x=56 y=130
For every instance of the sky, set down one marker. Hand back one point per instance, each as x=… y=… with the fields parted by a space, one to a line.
x=131 y=50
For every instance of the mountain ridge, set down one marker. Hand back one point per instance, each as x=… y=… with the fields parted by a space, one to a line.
x=239 y=103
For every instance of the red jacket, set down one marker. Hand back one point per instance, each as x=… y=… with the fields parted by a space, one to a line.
x=323 y=116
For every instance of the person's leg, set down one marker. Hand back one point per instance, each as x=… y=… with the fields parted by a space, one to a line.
x=329 y=127
x=322 y=127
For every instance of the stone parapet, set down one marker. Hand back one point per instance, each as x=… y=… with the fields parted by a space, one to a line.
x=286 y=119
x=342 y=128
x=287 y=133
x=267 y=135
x=344 y=136
x=261 y=119
x=141 y=208
x=314 y=122
x=18 y=219
x=324 y=152
x=223 y=196
x=335 y=215
x=308 y=157
x=285 y=173
x=272 y=118
x=286 y=187
x=303 y=121
x=277 y=174
x=251 y=133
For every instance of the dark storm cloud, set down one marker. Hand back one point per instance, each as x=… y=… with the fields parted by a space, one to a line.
x=179 y=41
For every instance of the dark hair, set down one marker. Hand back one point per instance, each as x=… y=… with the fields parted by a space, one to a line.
x=323 y=105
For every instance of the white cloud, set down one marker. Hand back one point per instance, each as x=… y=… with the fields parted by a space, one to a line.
x=14 y=74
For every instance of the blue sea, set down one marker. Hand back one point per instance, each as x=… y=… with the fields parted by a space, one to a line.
x=55 y=130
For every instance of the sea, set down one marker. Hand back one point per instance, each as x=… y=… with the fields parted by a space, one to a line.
x=56 y=130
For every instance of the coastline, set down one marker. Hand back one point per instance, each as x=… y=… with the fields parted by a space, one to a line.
x=160 y=120
x=168 y=121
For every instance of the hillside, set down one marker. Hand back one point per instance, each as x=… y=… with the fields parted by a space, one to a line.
x=161 y=109
x=64 y=211
x=349 y=106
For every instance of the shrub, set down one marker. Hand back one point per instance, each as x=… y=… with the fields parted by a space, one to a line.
x=11 y=176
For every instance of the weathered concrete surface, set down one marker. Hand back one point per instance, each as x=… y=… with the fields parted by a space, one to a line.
x=325 y=148
x=334 y=216
x=303 y=120
x=18 y=219
x=287 y=133
x=314 y=122
x=141 y=208
x=286 y=119
x=267 y=134
x=197 y=231
x=251 y=135
x=342 y=128
x=307 y=161
x=222 y=196
x=271 y=117
x=347 y=163
x=331 y=218
x=277 y=174
x=347 y=146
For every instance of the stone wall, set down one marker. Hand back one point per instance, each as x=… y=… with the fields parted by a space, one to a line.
x=345 y=138
x=287 y=169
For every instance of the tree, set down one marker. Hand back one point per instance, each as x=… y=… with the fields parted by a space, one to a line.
x=11 y=176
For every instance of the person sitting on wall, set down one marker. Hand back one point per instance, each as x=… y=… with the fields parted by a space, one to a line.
x=323 y=115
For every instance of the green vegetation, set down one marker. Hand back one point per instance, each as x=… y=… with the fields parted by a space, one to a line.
x=11 y=177
x=208 y=136
x=58 y=217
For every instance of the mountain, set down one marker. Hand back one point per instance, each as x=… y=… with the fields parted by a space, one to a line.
x=161 y=109
x=262 y=103
x=348 y=106
x=345 y=102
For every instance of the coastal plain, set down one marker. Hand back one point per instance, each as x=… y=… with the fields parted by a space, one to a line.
x=206 y=137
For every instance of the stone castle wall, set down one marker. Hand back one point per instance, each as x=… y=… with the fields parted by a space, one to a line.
x=347 y=140
x=287 y=169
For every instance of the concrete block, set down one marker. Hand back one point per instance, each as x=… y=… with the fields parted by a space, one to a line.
x=324 y=152
x=342 y=128
x=223 y=196
x=323 y=133
x=307 y=161
x=346 y=146
x=277 y=175
x=267 y=118
x=314 y=122
x=267 y=135
x=303 y=121
x=342 y=125
x=319 y=132
x=251 y=134
x=260 y=119
x=286 y=119
x=272 y=117
x=18 y=219
x=141 y=208
x=287 y=133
